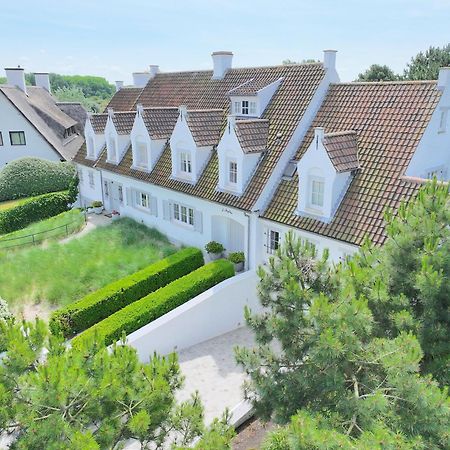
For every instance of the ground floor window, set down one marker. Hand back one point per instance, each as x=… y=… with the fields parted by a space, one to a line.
x=273 y=241
x=91 y=180
x=120 y=190
x=17 y=137
x=142 y=200
x=183 y=214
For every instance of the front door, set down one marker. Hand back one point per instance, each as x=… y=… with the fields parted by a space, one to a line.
x=229 y=233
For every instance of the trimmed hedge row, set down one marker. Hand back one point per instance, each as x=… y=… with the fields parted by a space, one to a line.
x=100 y=304
x=26 y=177
x=32 y=210
x=158 y=303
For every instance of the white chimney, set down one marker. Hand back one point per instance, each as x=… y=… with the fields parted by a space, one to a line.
x=139 y=109
x=140 y=79
x=110 y=113
x=318 y=135
x=119 y=85
x=222 y=63
x=16 y=77
x=42 y=80
x=444 y=78
x=154 y=69
x=182 y=109
x=329 y=59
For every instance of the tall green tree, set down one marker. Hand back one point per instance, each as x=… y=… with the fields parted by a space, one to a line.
x=377 y=72
x=92 y=398
x=426 y=65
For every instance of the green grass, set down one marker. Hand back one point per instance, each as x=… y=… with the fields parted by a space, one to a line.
x=10 y=204
x=59 y=274
x=48 y=229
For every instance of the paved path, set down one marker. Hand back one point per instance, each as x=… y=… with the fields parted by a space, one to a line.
x=210 y=368
x=93 y=221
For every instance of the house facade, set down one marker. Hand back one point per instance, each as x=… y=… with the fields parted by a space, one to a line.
x=241 y=156
x=34 y=123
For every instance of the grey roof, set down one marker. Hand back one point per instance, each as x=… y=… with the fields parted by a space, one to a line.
x=76 y=111
x=39 y=107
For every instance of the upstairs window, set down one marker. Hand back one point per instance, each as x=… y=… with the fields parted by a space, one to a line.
x=1 y=139
x=253 y=108
x=141 y=154
x=90 y=147
x=17 y=137
x=245 y=107
x=185 y=162
x=237 y=107
x=232 y=174
x=112 y=149
x=317 y=192
x=273 y=241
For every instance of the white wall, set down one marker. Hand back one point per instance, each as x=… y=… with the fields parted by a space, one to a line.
x=89 y=194
x=433 y=151
x=210 y=314
x=36 y=145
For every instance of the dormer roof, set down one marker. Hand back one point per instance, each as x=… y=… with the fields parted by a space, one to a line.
x=342 y=149
x=123 y=121
x=252 y=135
x=160 y=122
x=205 y=126
x=124 y=99
x=251 y=87
x=98 y=122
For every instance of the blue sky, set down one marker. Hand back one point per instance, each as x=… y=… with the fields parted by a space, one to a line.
x=115 y=38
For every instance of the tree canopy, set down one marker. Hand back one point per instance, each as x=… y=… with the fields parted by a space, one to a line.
x=337 y=345
x=92 y=398
x=426 y=65
x=377 y=72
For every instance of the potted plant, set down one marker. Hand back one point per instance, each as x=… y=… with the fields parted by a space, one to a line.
x=238 y=259
x=115 y=215
x=214 y=250
x=97 y=206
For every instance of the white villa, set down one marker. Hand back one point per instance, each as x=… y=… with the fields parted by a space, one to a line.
x=34 y=124
x=242 y=155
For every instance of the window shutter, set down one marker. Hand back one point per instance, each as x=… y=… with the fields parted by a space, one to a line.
x=166 y=210
x=266 y=239
x=154 y=206
x=129 y=197
x=198 y=221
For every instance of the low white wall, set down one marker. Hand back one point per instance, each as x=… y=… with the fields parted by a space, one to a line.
x=212 y=313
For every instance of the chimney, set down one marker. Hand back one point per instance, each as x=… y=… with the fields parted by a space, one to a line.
x=139 y=109
x=318 y=135
x=16 y=77
x=444 y=78
x=110 y=113
x=231 y=122
x=222 y=63
x=42 y=80
x=140 y=79
x=154 y=69
x=119 y=85
x=329 y=59
x=183 y=111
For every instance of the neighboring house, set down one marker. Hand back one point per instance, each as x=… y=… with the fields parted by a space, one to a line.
x=33 y=123
x=240 y=156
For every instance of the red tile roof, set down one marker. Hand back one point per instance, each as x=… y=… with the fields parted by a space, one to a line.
x=98 y=122
x=205 y=126
x=123 y=121
x=251 y=87
x=252 y=134
x=124 y=99
x=160 y=121
x=342 y=149
x=389 y=119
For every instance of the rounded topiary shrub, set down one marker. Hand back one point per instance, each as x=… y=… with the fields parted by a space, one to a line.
x=26 y=177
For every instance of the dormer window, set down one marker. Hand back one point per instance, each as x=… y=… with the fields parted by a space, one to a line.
x=233 y=172
x=317 y=192
x=186 y=164
x=141 y=153
x=245 y=108
x=112 y=149
x=90 y=147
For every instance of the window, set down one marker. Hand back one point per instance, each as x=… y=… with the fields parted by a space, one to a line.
x=443 y=121
x=112 y=149
x=317 y=191
x=232 y=175
x=120 y=190
x=273 y=241
x=245 y=107
x=253 y=108
x=185 y=159
x=106 y=188
x=141 y=154
x=183 y=214
x=143 y=200
x=237 y=107
x=17 y=137
x=1 y=139
x=90 y=147
x=91 y=179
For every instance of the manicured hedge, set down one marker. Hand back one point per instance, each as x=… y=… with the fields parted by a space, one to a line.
x=100 y=304
x=27 y=177
x=158 y=303
x=33 y=209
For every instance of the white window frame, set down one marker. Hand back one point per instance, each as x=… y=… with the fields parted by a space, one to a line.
x=245 y=107
x=90 y=147
x=443 y=120
x=140 y=145
x=183 y=214
x=185 y=162
x=232 y=173
x=91 y=179
x=312 y=193
x=112 y=155
x=237 y=107
x=252 y=108
x=273 y=241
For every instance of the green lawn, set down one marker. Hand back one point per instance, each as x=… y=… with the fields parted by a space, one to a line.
x=58 y=274
x=9 y=204
x=48 y=229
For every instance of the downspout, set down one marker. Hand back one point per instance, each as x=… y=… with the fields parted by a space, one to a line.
x=101 y=187
x=248 y=241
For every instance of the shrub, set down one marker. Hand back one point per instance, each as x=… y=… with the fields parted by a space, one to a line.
x=236 y=257
x=158 y=303
x=33 y=209
x=100 y=304
x=214 y=247
x=97 y=204
x=5 y=315
x=26 y=177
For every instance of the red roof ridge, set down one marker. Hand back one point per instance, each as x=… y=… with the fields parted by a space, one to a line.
x=383 y=83
x=256 y=119
x=340 y=133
